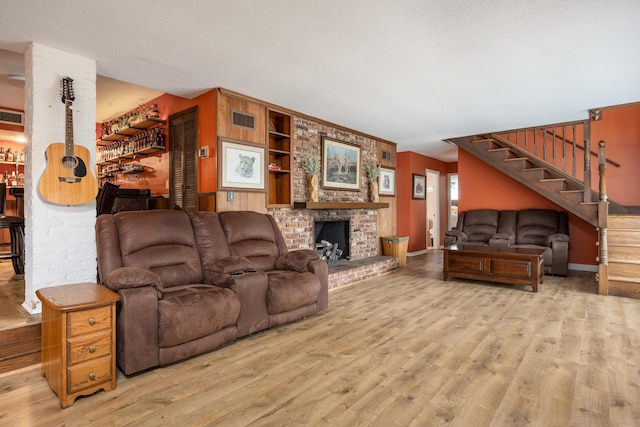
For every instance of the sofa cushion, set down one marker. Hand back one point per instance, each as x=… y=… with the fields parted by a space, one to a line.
x=208 y=235
x=535 y=225
x=161 y=241
x=251 y=235
x=186 y=313
x=289 y=290
x=480 y=225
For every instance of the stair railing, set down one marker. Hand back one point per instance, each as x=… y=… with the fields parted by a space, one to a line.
x=554 y=140
x=557 y=145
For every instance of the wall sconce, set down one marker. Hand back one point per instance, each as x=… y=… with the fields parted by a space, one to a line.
x=595 y=115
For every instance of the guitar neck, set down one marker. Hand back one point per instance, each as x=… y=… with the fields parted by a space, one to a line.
x=68 y=137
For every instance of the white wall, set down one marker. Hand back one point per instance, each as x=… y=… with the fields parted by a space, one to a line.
x=59 y=240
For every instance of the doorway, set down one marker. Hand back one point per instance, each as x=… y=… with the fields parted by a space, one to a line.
x=433 y=209
x=453 y=199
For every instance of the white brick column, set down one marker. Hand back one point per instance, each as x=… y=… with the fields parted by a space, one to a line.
x=59 y=240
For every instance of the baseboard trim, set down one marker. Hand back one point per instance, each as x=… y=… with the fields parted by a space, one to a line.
x=583 y=267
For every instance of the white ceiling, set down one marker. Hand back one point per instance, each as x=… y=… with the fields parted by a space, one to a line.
x=409 y=71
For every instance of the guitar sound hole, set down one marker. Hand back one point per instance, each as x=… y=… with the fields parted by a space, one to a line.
x=69 y=162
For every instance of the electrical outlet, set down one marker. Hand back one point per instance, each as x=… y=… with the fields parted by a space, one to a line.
x=229 y=196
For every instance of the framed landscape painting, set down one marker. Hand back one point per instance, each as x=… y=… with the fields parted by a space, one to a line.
x=340 y=165
x=241 y=166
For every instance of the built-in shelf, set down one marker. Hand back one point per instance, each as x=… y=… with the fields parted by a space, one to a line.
x=339 y=205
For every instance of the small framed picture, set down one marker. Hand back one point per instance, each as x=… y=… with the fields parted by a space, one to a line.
x=387 y=182
x=419 y=186
x=241 y=165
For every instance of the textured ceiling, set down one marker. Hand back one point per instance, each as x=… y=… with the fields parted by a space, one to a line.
x=412 y=72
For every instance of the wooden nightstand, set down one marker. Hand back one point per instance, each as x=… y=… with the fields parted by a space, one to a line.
x=78 y=339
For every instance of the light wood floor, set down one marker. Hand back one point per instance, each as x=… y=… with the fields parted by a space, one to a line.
x=11 y=298
x=402 y=349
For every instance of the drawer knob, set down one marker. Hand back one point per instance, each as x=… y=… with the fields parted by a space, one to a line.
x=92 y=349
x=92 y=321
x=92 y=376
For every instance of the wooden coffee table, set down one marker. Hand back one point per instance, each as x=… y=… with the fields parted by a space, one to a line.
x=515 y=266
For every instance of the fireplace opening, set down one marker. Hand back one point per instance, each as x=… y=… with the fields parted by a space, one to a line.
x=332 y=240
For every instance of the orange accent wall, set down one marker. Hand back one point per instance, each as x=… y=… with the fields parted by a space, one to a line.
x=481 y=186
x=412 y=214
x=159 y=165
x=620 y=129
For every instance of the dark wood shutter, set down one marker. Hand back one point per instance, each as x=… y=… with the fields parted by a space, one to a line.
x=183 y=146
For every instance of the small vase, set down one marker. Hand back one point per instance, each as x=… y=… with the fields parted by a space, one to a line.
x=313 y=188
x=373 y=191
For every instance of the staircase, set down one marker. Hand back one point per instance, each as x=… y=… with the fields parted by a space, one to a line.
x=624 y=255
x=556 y=185
x=619 y=226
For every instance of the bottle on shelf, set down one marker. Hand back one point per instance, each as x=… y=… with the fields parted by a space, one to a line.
x=10 y=157
x=2 y=155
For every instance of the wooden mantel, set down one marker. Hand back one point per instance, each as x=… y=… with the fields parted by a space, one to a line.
x=339 y=205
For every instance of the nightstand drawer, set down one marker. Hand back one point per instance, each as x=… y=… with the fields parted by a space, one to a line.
x=88 y=347
x=85 y=321
x=89 y=374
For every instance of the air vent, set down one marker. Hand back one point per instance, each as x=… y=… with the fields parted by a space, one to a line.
x=386 y=155
x=12 y=117
x=244 y=120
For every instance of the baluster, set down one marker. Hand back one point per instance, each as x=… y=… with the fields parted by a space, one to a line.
x=553 y=146
x=602 y=168
x=564 y=150
x=573 y=168
x=587 y=162
x=544 y=144
x=535 y=142
x=526 y=140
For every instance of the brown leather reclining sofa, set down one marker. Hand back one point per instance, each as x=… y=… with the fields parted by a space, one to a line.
x=528 y=228
x=192 y=282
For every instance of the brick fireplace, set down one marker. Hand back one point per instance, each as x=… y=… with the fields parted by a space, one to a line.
x=297 y=225
x=298 y=229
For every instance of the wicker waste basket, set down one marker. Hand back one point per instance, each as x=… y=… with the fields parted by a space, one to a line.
x=396 y=247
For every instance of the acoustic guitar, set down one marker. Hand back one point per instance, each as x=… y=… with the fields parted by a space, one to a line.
x=66 y=180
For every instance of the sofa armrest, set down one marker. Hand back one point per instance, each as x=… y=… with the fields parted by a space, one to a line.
x=221 y=270
x=296 y=260
x=451 y=237
x=559 y=244
x=230 y=264
x=558 y=237
x=321 y=270
x=133 y=277
x=251 y=288
x=502 y=239
x=137 y=329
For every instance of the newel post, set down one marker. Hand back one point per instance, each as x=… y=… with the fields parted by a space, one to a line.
x=603 y=223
